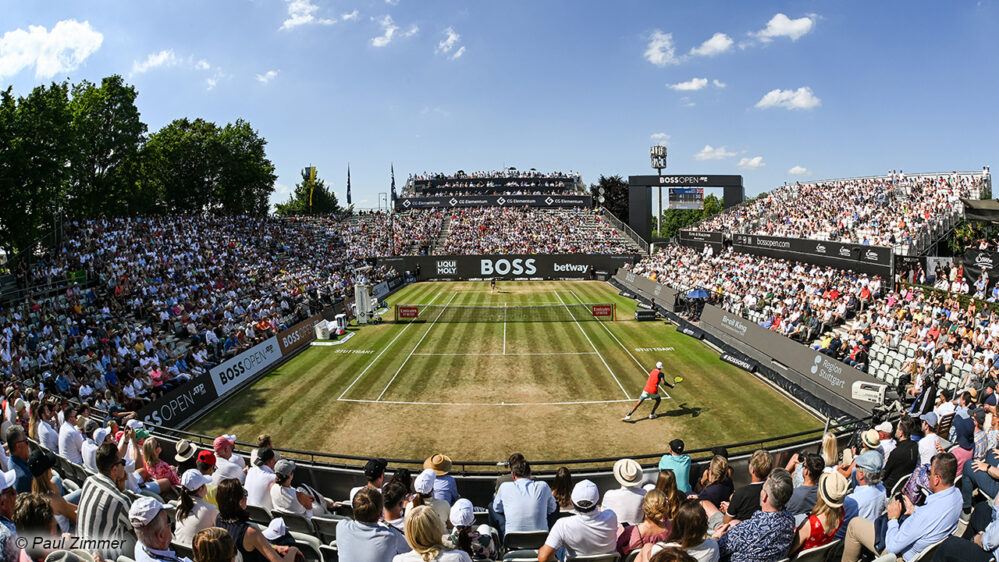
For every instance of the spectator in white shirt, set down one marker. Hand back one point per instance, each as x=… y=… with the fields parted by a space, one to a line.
x=928 y=444
x=590 y=532
x=193 y=513
x=227 y=464
x=259 y=480
x=626 y=501
x=70 y=439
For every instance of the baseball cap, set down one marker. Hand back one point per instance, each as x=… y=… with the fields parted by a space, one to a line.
x=676 y=446
x=275 y=529
x=223 y=440
x=930 y=418
x=374 y=468
x=144 y=510
x=264 y=454
x=193 y=479
x=462 y=514
x=659 y=364
x=284 y=467
x=141 y=434
x=884 y=427
x=628 y=472
x=134 y=424
x=871 y=461
x=979 y=417
x=206 y=457
x=585 y=494
x=100 y=434
x=424 y=483
x=40 y=461
x=9 y=478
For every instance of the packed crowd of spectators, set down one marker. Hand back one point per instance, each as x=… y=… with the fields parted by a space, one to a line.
x=794 y=299
x=507 y=182
x=169 y=298
x=376 y=234
x=499 y=230
x=889 y=210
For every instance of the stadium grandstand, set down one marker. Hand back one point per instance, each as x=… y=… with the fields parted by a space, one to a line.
x=130 y=321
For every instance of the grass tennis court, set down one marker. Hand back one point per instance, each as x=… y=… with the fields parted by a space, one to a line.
x=481 y=390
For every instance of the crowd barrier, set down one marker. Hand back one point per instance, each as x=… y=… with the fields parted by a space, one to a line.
x=513 y=266
x=753 y=347
x=447 y=202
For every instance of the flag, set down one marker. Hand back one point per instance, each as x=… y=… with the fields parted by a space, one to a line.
x=393 y=182
x=348 y=184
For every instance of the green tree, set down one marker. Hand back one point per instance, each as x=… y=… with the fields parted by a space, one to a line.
x=246 y=176
x=615 y=195
x=35 y=151
x=108 y=133
x=324 y=201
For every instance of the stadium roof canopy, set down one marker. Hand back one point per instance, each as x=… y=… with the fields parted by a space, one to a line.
x=983 y=210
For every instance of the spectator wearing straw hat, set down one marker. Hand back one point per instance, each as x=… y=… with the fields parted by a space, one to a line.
x=591 y=531
x=184 y=453
x=259 y=480
x=822 y=525
x=679 y=463
x=193 y=513
x=152 y=528
x=626 y=501
x=362 y=538
x=374 y=473
x=445 y=488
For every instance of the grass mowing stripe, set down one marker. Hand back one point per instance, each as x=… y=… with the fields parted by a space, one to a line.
x=404 y=328
x=594 y=347
x=414 y=349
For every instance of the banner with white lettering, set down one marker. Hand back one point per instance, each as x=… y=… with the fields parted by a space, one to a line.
x=877 y=260
x=545 y=266
x=447 y=202
x=230 y=374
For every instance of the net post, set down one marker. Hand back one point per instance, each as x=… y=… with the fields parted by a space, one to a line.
x=613 y=312
x=396 y=313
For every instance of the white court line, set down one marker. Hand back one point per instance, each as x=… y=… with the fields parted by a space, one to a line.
x=504 y=328
x=406 y=327
x=593 y=346
x=501 y=354
x=478 y=404
x=415 y=348
x=626 y=350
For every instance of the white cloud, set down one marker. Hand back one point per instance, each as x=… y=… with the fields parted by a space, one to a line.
x=718 y=83
x=51 y=52
x=660 y=138
x=691 y=85
x=451 y=38
x=798 y=171
x=752 y=163
x=783 y=26
x=458 y=53
x=303 y=12
x=267 y=76
x=802 y=98
x=164 y=58
x=210 y=83
x=202 y=65
x=686 y=102
x=719 y=43
x=661 y=51
x=413 y=30
x=392 y=2
x=388 y=31
x=709 y=153
x=349 y=17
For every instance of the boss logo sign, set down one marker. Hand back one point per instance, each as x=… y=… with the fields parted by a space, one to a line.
x=175 y=409
x=298 y=335
x=508 y=267
x=228 y=375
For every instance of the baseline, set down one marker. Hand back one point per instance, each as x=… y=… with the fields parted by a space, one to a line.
x=399 y=402
x=585 y=335
x=626 y=350
x=501 y=354
x=408 y=357
x=377 y=357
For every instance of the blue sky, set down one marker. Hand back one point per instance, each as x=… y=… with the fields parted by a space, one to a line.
x=774 y=91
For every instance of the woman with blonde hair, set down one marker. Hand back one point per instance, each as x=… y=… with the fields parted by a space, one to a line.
x=830 y=451
x=156 y=468
x=425 y=534
x=213 y=544
x=655 y=527
x=666 y=483
x=719 y=486
x=826 y=517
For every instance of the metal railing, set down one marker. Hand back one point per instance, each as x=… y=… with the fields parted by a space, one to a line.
x=627 y=230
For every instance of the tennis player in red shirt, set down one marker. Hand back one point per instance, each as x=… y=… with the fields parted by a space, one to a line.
x=651 y=390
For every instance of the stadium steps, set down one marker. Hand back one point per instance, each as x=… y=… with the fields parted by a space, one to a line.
x=442 y=235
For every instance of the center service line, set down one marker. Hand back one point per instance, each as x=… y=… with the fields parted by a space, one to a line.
x=593 y=346
x=626 y=350
x=416 y=347
x=373 y=361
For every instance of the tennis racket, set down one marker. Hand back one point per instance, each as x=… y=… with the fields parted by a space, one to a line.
x=675 y=380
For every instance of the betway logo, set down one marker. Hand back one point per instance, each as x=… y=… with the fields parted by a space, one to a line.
x=569 y=267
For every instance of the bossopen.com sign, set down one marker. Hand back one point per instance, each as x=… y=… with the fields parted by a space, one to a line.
x=230 y=374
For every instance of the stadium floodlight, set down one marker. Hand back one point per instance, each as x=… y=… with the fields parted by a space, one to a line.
x=658 y=155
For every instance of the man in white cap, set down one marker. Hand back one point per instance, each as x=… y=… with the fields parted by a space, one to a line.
x=626 y=501
x=152 y=527
x=590 y=532
x=89 y=448
x=8 y=531
x=651 y=390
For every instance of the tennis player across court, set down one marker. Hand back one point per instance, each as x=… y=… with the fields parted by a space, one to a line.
x=651 y=390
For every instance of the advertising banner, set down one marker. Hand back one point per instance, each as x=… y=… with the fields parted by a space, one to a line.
x=545 y=266
x=818 y=374
x=699 y=238
x=877 y=260
x=228 y=375
x=173 y=409
x=404 y=203
x=978 y=261
x=299 y=335
x=739 y=360
x=648 y=289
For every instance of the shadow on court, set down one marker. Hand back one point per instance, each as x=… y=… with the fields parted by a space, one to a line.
x=682 y=411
